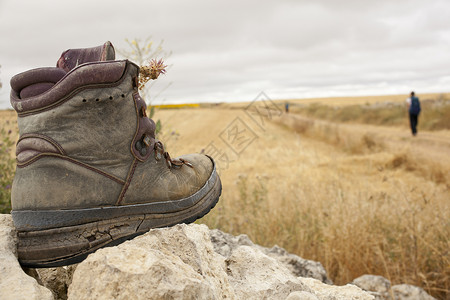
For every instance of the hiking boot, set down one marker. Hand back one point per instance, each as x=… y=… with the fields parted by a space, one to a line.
x=90 y=172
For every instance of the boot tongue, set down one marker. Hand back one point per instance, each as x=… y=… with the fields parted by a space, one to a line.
x=74 y=57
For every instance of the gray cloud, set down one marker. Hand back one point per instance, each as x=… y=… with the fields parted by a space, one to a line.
x=225 y=51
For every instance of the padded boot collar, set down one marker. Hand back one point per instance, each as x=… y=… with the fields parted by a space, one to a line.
x=88 y=75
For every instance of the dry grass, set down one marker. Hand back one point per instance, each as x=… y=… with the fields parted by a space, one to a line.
x=396 y=223
x=8 y=135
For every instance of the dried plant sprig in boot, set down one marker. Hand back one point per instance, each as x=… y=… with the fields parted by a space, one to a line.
x=151 y=71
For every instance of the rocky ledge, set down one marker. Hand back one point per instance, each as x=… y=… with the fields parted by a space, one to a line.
x=185 y=262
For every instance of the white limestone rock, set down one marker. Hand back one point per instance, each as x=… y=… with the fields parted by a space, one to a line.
x=15 y=284
x=180 y=263
x=225 y=243
x=57 y=279
x=407 y=291
x=255 y=275
x=332 y=292
x=381 y=289
x=373 y=283
x=301 y=296
x=169 y=263
x=378 y=286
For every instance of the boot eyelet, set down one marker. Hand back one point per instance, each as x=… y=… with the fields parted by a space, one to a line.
x=146 y=140
x=142 y=112
x=158 y=155
x=143 y=151
x=84 y=100
x=138 y=146
x=169 y=164
x=177 y=164
x=110 y=97
x=123 y=95
x=97 y=100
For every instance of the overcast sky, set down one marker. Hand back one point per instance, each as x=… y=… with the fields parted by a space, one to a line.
x=232 y=50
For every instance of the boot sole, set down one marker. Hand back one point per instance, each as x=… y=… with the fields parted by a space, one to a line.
x=64 y=237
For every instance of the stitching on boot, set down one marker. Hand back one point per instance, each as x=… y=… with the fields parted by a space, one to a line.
x=127 y=184
x=72 y=160
x=137 y=129
x=44 y=137
x=32 y=145
x=139 y=156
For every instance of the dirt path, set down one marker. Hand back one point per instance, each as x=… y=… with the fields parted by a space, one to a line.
x=432 y=146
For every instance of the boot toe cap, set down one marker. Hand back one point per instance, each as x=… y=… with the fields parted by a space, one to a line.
x=202 y=164
x=196 y=170
x=158 y=182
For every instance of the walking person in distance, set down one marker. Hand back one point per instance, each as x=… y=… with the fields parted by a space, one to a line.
x=414 y=111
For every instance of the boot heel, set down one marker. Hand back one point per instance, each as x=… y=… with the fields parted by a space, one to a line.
x=69 y=245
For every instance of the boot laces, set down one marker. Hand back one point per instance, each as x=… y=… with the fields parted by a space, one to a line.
x=171 y=163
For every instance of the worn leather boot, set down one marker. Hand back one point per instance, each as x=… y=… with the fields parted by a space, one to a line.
x=89 y=170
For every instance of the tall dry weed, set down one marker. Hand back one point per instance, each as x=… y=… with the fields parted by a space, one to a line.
x=350 y=230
